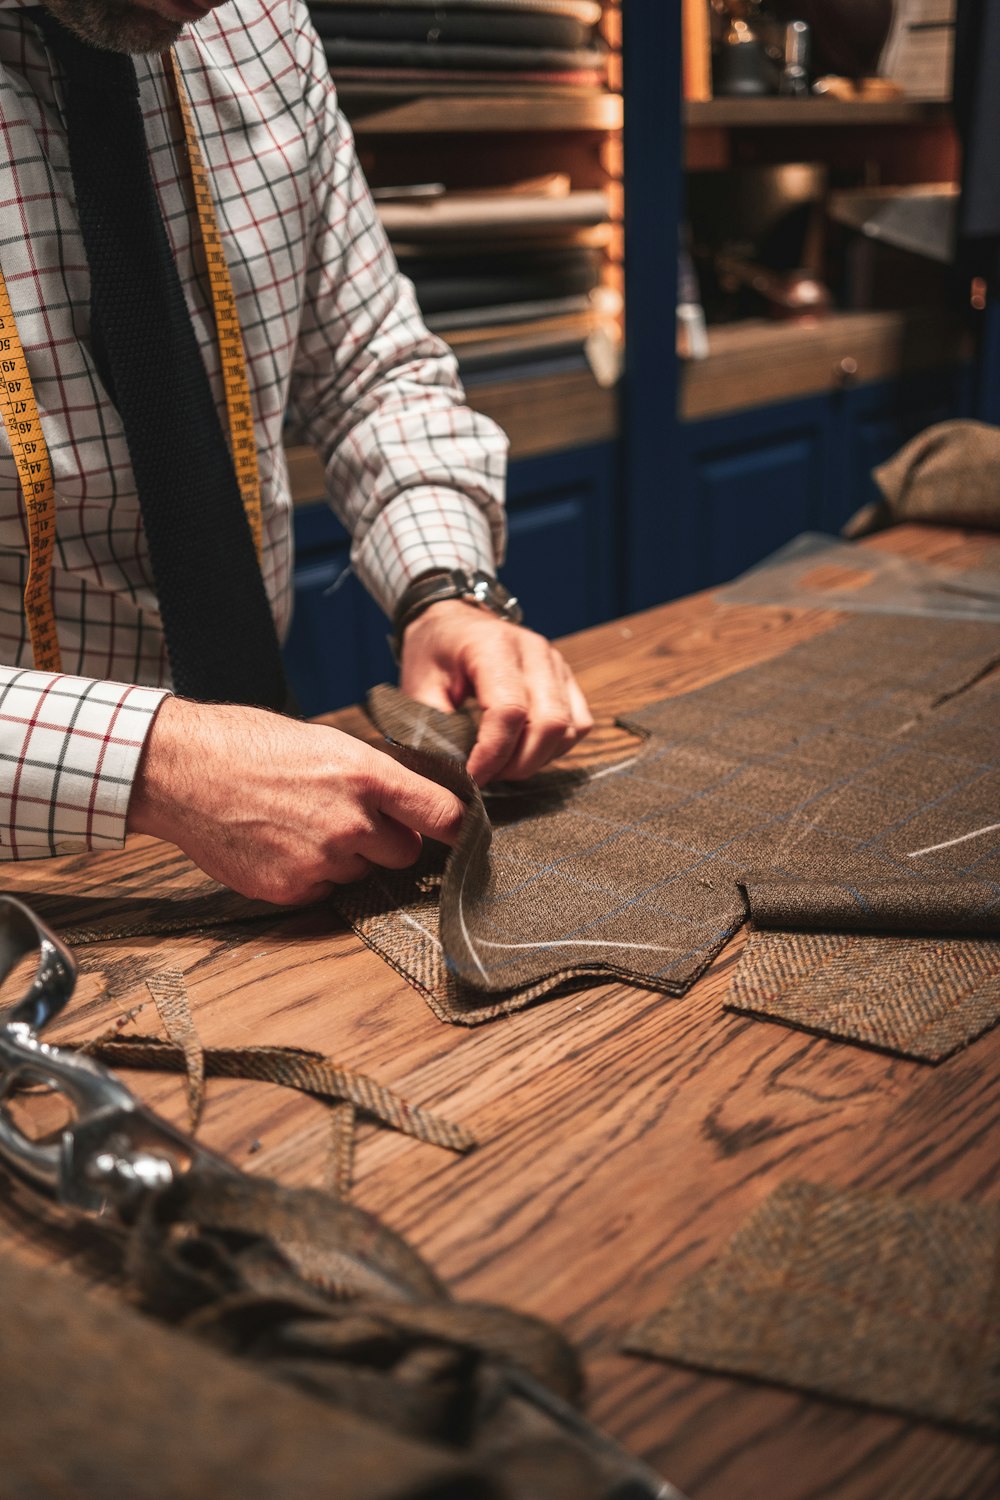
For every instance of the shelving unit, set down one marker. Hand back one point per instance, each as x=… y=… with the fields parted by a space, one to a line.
x=776 y=431
x=776 y=113
x=562 y=421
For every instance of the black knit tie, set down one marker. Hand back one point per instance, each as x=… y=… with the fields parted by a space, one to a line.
x=217 y=622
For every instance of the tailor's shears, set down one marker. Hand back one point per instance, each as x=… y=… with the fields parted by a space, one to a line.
x=113 y=1150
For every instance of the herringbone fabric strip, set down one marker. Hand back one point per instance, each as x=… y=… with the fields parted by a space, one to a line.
x=295 y=1068
x=340 y=1161
x=923 y=998
x=169 y=991
x=892 y=1302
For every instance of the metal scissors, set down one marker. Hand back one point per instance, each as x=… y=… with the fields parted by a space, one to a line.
x=114 y=1150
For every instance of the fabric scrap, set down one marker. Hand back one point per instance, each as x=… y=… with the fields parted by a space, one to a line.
x=922 y=998
x=169 y=991
x=867 y=759
x=946 y=474
x=889 y=1301
x=296 y=1068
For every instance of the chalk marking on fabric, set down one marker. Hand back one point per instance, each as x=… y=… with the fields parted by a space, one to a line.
x=410 y=921
x=580 y=942
x=465 y=931
x=963 y=838
x=424 y=731
x=622 y=765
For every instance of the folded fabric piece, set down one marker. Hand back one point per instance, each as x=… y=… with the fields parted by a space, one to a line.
x=947 y=474
x=587 y=12
x=922 y=998
x=351 y=53
x=446 y=24
x=480 y=321
x=866 y=759
x=496 y=80
x=441 y=294
x=946 y=905
x=860 y=1296
x=491 y=214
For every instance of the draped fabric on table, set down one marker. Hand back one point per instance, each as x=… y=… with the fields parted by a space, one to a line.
x=860 y=771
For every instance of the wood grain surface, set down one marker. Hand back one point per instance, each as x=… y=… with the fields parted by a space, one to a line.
x=625 y=1135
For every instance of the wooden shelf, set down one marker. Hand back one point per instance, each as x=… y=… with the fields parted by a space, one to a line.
x=756 y=362
x=399 y=109
x=541 y=415
x=763 y=114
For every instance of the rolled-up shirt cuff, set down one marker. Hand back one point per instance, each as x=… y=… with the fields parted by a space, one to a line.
x=70 y=749
x=428 y=527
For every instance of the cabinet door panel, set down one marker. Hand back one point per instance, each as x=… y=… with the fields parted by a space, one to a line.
x=754 y=480
x=561 y=554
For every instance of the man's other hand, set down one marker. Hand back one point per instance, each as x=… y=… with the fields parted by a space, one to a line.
x=533 y=709
x=279 y=810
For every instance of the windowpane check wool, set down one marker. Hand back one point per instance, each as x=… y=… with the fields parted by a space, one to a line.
x=219 y=632
x=332 y=336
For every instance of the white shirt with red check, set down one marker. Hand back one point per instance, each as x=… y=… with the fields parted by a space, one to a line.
x=332 y=336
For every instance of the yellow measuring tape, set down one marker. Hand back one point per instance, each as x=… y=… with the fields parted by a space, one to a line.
x=24 y=429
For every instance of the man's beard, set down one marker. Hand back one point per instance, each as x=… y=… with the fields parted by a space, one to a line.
x=116 y=25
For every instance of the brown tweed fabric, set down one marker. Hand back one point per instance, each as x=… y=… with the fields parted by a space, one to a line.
x=849 y=760
x=893 y=1302
x=919 y=997
x=947 y=474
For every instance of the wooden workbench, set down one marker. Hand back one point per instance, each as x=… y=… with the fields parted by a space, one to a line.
x=625 y=1135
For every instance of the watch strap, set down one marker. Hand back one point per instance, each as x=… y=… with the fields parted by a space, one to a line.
x=451 y=583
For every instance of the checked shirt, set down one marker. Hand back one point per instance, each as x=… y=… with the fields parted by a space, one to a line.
x=333 y=337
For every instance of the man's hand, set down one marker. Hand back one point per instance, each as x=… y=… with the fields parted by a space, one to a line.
x=280 y=810
x=533 y=709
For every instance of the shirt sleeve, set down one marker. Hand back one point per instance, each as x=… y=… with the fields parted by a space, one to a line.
x=416 y=477
x=71 y=748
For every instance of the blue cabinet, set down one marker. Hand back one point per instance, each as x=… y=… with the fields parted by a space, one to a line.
x=562 y=563
x=747 y=482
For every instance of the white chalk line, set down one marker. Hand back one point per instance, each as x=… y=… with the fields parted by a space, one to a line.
x=411 y=921
x=963 y=838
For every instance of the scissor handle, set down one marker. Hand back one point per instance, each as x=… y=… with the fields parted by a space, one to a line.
x=55 y=976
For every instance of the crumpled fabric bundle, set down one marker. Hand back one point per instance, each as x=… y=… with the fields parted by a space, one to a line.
x=297 y=1350
x=949 y=474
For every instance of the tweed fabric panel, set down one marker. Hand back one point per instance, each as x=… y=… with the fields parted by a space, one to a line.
x=923 y=998
x=959 y=905
x=868 y=759
x=889 y=1301
x=946 y=474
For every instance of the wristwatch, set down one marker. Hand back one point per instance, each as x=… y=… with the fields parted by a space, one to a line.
x=451 y=583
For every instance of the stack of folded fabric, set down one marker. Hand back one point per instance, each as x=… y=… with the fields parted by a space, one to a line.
x=505 y=274
x=458 y=43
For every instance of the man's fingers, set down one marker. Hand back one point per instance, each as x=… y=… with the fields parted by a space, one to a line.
x=583 y=719
x=390 y=844
x=549 y=730
x=419 y=805
x=500 y=731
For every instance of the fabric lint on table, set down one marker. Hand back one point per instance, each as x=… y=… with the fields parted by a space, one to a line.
x=864 y=759
x=867 y=1297
x=923 y=998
